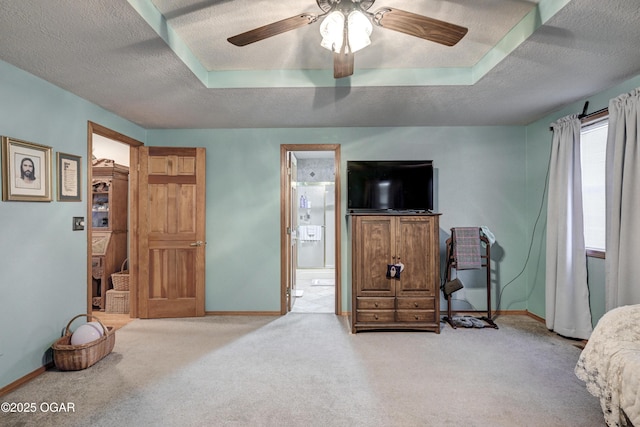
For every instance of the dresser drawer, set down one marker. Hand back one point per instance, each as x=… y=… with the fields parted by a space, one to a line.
x=366 y=303
x=416 y=316
x=416 y=303
x=375 y=316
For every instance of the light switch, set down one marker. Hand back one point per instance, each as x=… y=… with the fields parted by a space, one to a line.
x=78 y=223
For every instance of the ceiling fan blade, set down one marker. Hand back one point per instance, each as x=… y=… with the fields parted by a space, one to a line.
x=342 y=64
x=273 y=29
x=420 y=26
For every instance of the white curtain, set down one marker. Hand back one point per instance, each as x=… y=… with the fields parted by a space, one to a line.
x=622 y=263
x=567 y=295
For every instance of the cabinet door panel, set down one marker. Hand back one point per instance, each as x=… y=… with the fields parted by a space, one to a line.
x=414 y=247
x=374 y=246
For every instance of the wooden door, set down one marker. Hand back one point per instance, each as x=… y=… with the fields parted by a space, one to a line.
x=415 y=239
x=292 y=227
x=171 y=220
x=374 y=240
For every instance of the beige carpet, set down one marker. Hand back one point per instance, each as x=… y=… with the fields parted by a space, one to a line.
x=308 y=370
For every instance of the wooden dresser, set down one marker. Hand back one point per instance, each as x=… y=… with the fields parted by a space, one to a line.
x=411 y=301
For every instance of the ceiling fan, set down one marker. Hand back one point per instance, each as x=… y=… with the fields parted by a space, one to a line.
x=347 y=25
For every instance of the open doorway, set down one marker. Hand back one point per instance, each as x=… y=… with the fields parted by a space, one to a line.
x=311 y=229
x=107 y=224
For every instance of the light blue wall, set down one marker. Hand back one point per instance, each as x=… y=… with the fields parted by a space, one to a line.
x=480 y=181
x=537 y=152
x=43 y=272
x=489 y=176
x=479 y=177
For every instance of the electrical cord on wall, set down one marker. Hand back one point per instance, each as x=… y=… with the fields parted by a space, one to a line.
x=533 y=233
x=544 y=192
x=526 y=261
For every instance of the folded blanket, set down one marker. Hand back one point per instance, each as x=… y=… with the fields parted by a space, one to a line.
x=466 y=247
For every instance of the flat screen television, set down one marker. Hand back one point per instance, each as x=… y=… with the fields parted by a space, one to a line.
x=394 y=185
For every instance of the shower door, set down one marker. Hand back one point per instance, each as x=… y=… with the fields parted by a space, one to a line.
x=313 y=227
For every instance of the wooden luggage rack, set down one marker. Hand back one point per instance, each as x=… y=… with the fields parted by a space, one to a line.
x=485 y=263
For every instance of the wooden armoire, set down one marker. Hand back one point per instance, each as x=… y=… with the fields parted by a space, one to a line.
x=410 y=301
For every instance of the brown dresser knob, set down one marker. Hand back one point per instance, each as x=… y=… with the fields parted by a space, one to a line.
x=375 y=304
x=375 y=316
x=415 y=304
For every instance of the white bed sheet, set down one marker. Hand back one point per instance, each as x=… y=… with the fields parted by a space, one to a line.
x=610 y=365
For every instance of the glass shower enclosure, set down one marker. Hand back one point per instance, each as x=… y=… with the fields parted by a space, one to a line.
x=316 y=224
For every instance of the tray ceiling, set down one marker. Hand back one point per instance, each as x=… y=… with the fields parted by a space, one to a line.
x=167 y=64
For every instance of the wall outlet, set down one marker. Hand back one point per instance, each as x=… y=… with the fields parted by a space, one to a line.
x=78 y=223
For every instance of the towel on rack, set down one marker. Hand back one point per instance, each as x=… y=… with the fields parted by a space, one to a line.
x=466 y=248
x=484 y=230
x=310 y=233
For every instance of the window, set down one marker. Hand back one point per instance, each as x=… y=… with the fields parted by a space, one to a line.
x=593 y=145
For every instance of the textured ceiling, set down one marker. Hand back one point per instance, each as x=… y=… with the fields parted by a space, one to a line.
x=167 y=64
x=488 y=20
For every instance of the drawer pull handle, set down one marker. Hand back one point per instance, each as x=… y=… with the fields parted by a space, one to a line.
x=375 y=304
x=375 y=316
x=417 y=317
x=415 y=304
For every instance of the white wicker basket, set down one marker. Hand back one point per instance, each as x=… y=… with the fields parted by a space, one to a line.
x=117 y=301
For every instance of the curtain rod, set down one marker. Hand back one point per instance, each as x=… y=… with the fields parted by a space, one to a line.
x=595 y=114
x=585 y=117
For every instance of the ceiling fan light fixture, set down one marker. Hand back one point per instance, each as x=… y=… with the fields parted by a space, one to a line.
x=332 y=31
x=358 y=29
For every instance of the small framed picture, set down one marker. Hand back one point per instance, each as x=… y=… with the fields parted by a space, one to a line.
x=26 y=171
x=69 y=183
